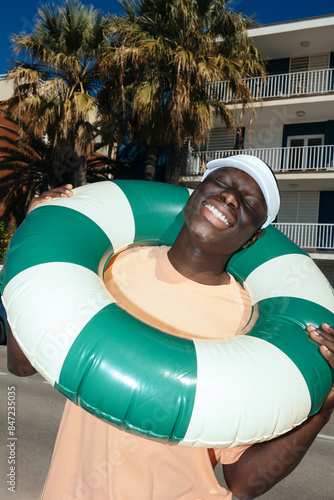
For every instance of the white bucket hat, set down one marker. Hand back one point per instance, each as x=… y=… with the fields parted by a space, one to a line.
x=260 y=172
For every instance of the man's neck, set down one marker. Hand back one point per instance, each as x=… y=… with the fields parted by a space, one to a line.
x=197 y=265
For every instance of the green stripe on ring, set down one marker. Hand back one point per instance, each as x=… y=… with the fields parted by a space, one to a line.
x=128 y=377
x=157 y=225
x=245 y=261
x=277 y=324
x=46 y=235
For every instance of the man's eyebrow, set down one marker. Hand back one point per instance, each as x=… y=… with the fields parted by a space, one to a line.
x=258 y=197
x=225 y=171
x=229 y=174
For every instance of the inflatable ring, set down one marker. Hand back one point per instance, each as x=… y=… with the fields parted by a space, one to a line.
x=223 y=393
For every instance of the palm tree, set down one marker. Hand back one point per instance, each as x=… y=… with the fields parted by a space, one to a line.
x=28 y=167
x=175 y=49
x=55 y=90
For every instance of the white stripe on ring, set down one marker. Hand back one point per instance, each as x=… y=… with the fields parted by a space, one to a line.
x=294 y=275
x=243 y=384
x=49 y=304
x=95 y=201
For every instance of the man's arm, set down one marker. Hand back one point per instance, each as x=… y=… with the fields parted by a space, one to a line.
x=17 y=363
x=265 y=464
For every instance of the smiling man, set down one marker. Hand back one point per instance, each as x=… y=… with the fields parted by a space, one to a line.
x=225 y=213
x=183 y=290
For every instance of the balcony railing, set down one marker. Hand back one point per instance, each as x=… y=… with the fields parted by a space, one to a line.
x=309 y=236
x=283 y=85
x=301 y=158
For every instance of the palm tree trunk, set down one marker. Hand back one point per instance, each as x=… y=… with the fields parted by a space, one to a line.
x=68 y=166
x=173 y=165
x=79 y=166
x=19 y=210
x=150 y=163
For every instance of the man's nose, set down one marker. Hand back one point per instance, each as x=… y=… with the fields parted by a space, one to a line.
x=230 y=198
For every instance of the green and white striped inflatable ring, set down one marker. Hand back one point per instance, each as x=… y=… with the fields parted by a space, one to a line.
x=246 y=389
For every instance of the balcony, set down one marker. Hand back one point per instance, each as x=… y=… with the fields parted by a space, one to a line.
x=309 y=236
x=284 y=85
x=288 y=159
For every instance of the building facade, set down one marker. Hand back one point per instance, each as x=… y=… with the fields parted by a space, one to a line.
x=291 y=127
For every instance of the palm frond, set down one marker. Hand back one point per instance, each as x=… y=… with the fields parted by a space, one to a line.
x=56 y=88
x=175 y=49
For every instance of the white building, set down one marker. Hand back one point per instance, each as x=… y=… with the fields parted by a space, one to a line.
x=291 y=128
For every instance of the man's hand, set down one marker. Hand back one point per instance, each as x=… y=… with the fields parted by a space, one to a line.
x=254 y=473
x=325 y=337
x=59 y=192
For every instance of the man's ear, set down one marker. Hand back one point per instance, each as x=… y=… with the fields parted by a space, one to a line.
x=253 y=239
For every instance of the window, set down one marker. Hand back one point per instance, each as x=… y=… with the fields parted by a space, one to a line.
x=299 y=207
x=305 y=152
x=308 y=74
x=221 y=139
x=193 y=160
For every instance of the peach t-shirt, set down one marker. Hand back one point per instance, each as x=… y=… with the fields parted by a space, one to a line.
x=94 y=460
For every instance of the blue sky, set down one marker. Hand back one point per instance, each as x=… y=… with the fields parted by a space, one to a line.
x=18 y=15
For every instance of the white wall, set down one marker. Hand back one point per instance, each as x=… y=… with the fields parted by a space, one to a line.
x=264 y=136
x=6 y=89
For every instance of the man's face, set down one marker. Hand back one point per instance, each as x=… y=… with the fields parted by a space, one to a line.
x=225 y=211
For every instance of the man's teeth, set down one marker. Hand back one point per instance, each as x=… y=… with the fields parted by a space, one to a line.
x=218 y=214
